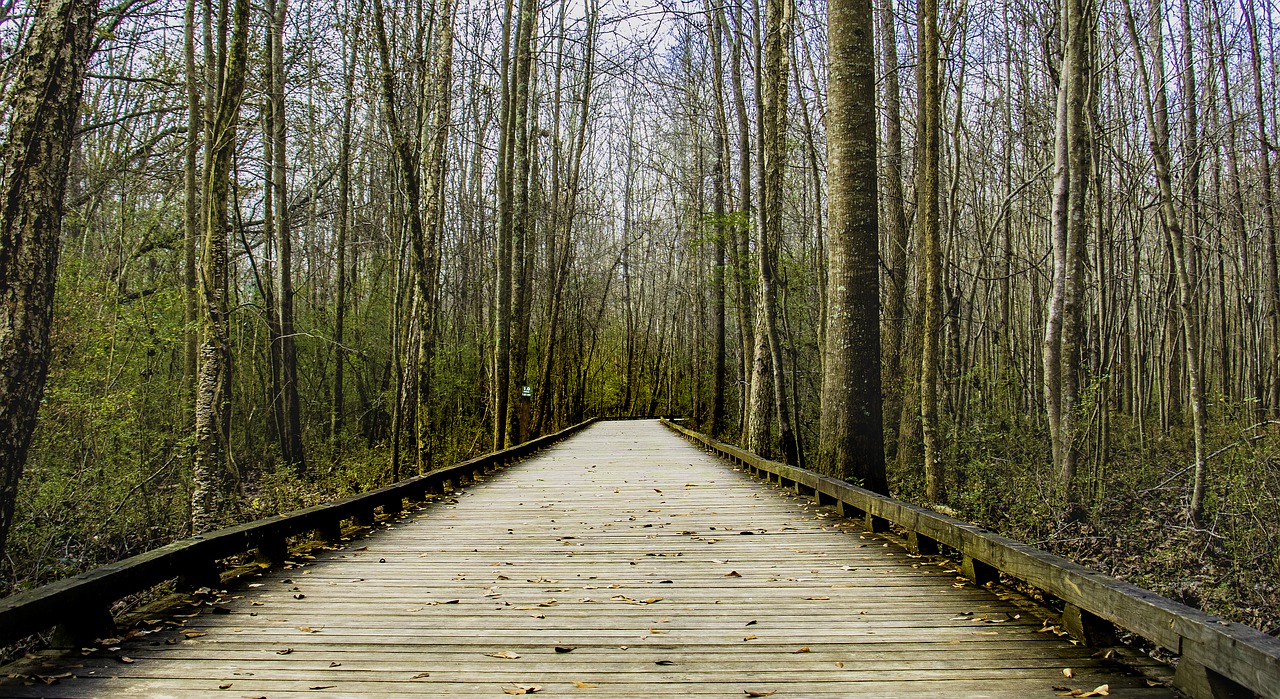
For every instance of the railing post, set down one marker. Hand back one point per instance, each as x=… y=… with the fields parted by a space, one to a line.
x=922 y=545
x=270 y=548
x=977 y=571
x=873 y=523
x=1088 y=628
x=198 y=574
x=1196 y=680
x=91 y=624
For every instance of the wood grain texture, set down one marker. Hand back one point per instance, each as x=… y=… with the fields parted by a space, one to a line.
x=622 y=563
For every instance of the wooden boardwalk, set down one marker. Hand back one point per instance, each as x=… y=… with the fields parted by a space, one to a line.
x=623 y=562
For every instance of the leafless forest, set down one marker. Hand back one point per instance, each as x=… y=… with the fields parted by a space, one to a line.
x=313 y=246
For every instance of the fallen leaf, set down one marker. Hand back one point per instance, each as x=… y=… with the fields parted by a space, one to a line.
x=225 y=685
x=308 y=629
x=420 y=675
x=1099 y=691
x=818 y=597
x=839 y=663
x=286 y=651
x=733 y=574
x=125 y=659
x=752 y=693
x=1066 y=672
x=335 y=664
x=193 y=634
x=664 y=662
x=802 y=650
x=526 y=689
x=585 y=685
x=564 y=649
x=505 y=655
x=323 y=686
x=752 y=622
x=651 y=600
x=749 y=637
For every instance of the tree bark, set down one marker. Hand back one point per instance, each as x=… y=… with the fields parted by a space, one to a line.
x=851 y=437
x=290 y=411
x=775 y=74
x=43 y=105
x=929 y=225
x=213 y=472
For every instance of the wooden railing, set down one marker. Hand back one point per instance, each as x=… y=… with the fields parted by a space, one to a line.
x=1217 y=658
x=80 y=605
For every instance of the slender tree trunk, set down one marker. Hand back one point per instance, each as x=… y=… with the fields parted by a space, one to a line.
x=213 y=472
x=43 y=106
x=851 y=437
x=337 y=414
x=895 y=311
x=928 y=223
x=1072 y=155
x=291 y=424
x=1157 y=118
x=191 y=202
x=433 y=225
x=742 y=244
x=723 y=230
x=502 y=297
x=522 y=145
x=777 y=50
x=1269 y=222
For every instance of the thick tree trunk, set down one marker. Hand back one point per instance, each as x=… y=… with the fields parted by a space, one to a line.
x=43 y=104
x=212 y=500
x=851 y=437
x=723 y=230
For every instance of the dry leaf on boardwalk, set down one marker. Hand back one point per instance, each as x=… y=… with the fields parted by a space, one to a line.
x=753 y=693
x=525 y=689
x=585 y=685
x=505 y=655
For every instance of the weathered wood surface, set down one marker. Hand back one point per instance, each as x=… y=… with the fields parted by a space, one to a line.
x=666 y=573
x=1218 y=658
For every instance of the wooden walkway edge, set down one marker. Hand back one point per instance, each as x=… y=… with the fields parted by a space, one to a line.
x=623 y=562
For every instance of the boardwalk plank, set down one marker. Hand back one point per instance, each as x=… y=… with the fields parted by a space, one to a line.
x=631 y=547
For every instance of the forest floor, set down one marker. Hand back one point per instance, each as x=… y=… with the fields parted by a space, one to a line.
x=1136 y=528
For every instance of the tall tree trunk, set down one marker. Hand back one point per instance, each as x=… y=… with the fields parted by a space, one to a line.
x=1269 y=221
x=895 y=311
x=433 y=225
x=851 y=436
x=213 y=472
x=773 y=152
x=742 y=234
x=522 y=144
x=719 y=175
x=43 y=106
x=1072 y=154
x=928 y=223
x=290 y=411
x=1157 y=118
x=190 y=202
x=336 y=413
x=502 y=295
